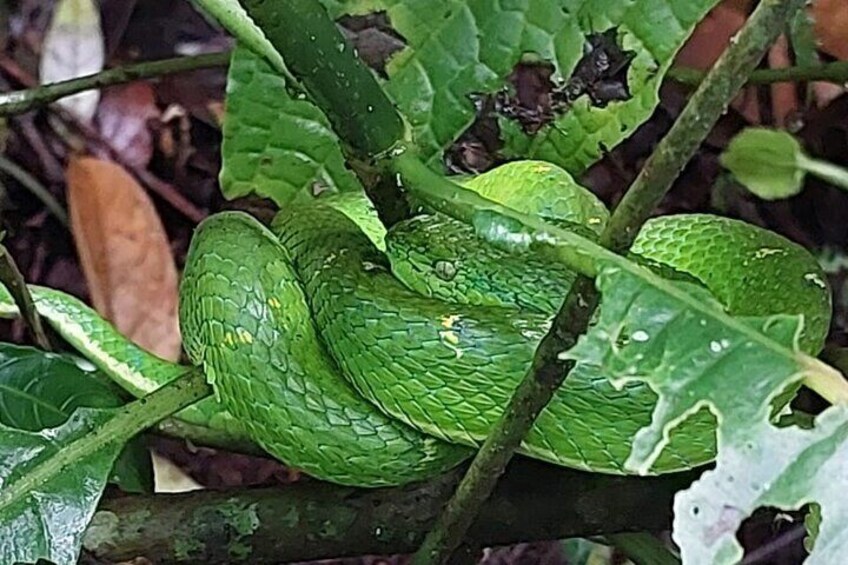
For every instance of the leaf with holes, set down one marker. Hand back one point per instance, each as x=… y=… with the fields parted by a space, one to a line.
x=274 y=144
x=761 y=465
x=690 y=360
x=41 y=390
x=458 y=49
x=44 y=516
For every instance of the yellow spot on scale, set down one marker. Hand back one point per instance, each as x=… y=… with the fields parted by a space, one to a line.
x=229 y=338
x=541 y=168
x=450 y=337
x=244 y=336
x=449 y=320
x=274 y=303
x=764 y=252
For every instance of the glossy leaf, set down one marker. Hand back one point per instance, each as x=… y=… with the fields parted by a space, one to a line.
x=41 y=390
x=460 y=48
x=233 y=17
x=274 y=144
x=46 y=520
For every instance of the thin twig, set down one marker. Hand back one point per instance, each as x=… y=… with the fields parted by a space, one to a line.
x=36 y=188
x=164 y=190
x=13 y=280
x=766 y=552
x=548 y=372
x=24 y=100
x=835 y=72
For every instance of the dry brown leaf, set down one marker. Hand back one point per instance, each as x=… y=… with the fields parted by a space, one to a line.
x=831 y=24
x=709 y=40
x=784 y=95
x=124 y=254
x=711 y=37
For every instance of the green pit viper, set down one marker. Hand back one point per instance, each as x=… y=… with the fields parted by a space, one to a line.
x=371 y=358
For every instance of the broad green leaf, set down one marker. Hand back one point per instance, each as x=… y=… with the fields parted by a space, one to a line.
x=73 y=47
x=41 y=390
x=760 y=465
x=766 y=161
x=459 y=48
x=45 y=519
x=276 y=145
x=692 y=361
x=233 y=17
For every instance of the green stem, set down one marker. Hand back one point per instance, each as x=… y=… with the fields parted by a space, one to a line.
x=835 y=72
x=828 y=172
x=25 y=100
x=547 y=373
x=128 y=422
x=643 y=549
x=36 y=188
x=13 y=280
x=337 y=80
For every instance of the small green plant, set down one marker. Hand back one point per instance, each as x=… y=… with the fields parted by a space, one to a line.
x=372 y=347
x=772 y=164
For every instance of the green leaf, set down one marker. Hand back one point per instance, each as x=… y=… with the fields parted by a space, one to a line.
x=689 y=359
x=234 y=18
x=275 y=145
x=812 y=523
x=45 y=519
x=772 y=164
x=766 y=161
x=458 y=48
x=693 y=361
x=41 y=390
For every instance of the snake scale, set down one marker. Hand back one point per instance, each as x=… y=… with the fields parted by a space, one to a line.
x=371 y=358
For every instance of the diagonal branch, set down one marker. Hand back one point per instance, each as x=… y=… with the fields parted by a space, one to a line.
x=547 y=372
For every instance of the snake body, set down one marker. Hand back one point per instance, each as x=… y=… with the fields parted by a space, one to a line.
x=373 y=368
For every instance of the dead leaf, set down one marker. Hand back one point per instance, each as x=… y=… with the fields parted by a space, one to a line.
x=124 y=118
x=73 y=47
x=711 y=37
x=709 y=40
x=124 y=254
x=784 y=96
x=831 y=25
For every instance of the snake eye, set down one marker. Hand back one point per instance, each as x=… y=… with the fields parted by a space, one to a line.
x=445 y=270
